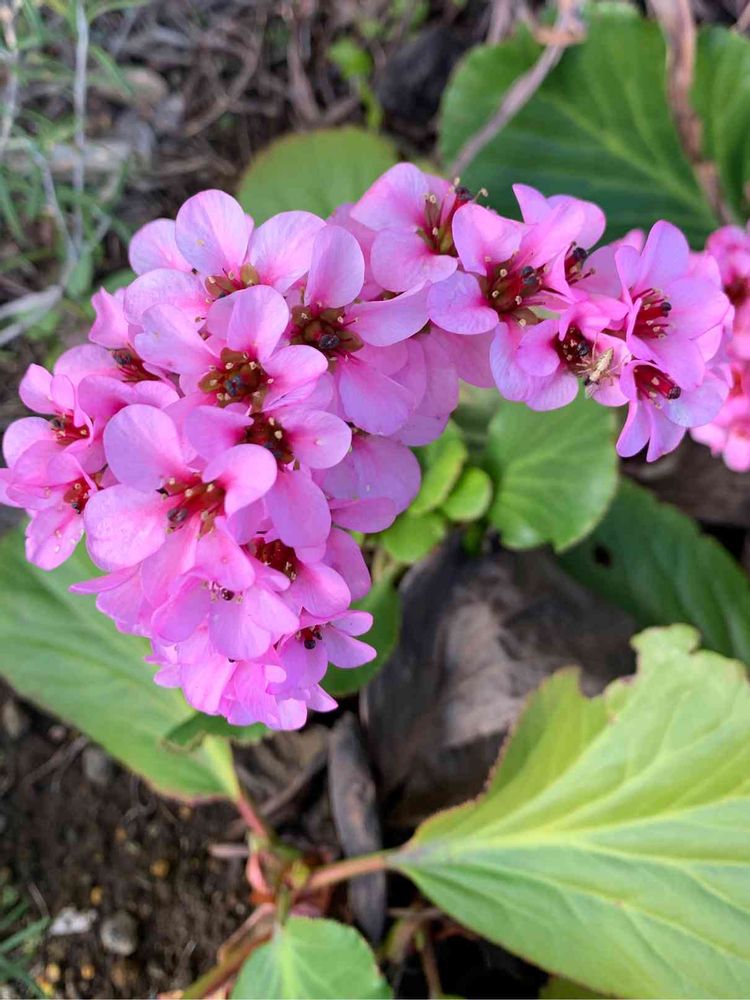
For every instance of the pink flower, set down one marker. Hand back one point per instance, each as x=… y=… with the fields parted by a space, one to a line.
x=730 y=247
x=412 y=213
x=161 y=491
x=728 y=434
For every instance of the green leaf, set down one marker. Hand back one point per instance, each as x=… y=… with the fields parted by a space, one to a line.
x=350 y=58
x=721 y=96
x=557 y=988
x=470 y=498
x=315 y=959
x=653 y=561
x=316 y=171
x=190 y=734
x=384 y=604
x=57 y=650
x=442 y=462
x=555 y=473
x=613 y=842
x=411 y=537
x=599 y=127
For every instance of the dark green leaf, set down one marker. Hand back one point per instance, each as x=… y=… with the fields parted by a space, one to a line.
x=190 y=734
x=442 y=462
x=471 y=496
x=653 y=561
x=599 y=126
x=411 y=536
x=555 y=473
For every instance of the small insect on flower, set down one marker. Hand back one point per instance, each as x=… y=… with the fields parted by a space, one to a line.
x=597 y=369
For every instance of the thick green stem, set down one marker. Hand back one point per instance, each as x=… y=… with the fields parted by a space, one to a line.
x=339 y=871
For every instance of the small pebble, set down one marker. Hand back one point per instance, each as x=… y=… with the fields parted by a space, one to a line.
x=87 y=971
x=119 y=934
x=97 y=766
x=96 y=895
x=159 y=868
x=57 y=733
x=52 y=972
x=15 y=722
x=72 y=921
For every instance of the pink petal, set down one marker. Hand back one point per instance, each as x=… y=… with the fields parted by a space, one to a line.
x=176 y=620
x=294 y=371
x=259 y=318
x=281 y=249
x=52 y=535
x=319 y=440
x=510 y=378
x=536 y=353
x=166 y=286
x=390 y=320
x=154 y=245
x=299 y=510
x=345 y=652
x=397 y=199
x=246 y=472
x=480 y=234
x=143 y=448
x=400 y=259
x=636 y=430
x=320 y=590
x=35 y=390
x=211 y=430
x=664 y=257
x=372 y=400
x=170 y=340
x=234 y=632
x=110 y=328
x=337 y=271
x=124 y=526
x=459 y=306
x=345 y=556
x=212 y=232
x=23 y=433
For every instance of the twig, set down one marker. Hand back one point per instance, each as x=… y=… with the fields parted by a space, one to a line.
x=430 y=967
x=501 y=21
x=678 y=24
x=79 y=116
x=8 y=15
x=566 y=32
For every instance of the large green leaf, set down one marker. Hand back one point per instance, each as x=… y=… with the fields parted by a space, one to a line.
x=314 y=960
x=653 y=561
x=384 y=604
x=316 y=171
x=599 y=126
x=57 y=650
x=555 y=473
x=612 y=845
x=413 y=536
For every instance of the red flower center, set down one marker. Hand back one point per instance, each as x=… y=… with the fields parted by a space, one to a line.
x=268 y=433
x=278 y=556
x=654 y=384
x=437 y=230
x=77 y=495
x=220 y=285
x=66 y=430
x=651 y=320
x=204 y=500
x=311 y=636
x=507 y=287
x=131 y=366
x=325 y=330
x=238 y=378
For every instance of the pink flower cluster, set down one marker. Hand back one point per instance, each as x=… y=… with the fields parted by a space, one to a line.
x=728 y=434
x=250 y=398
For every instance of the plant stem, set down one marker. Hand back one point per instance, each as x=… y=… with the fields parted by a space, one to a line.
x=216 y=977
x=339 y=871
x=252 y=817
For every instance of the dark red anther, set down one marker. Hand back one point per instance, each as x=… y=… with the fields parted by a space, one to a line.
x=278 y=556
x=131 y=366
x=237 y=378
x=196 y=499
x=311 y=636
x=226 y=595
x=66 y=430
x=325 y=330
x=573 y=349
x=651 y=320
x=77 y=495
x=268 y=433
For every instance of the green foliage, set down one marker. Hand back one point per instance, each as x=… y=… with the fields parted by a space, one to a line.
x=555 y=473
x=600 y=127
x=315 y=959
x=653 y=561
x=413 y=536
x=57 y=650
x=384 y=604
x=316 y=171
x=19 y=942
x=471 y=497
x=442 y=462
x=612 y=843
x=190 y=734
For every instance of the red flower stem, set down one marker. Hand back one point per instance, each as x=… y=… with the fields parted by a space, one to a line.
x=339 y=871
x=254 y=821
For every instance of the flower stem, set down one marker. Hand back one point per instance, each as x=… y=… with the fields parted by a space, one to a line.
x=339 y=871
x=230 y=963
x=252 y=817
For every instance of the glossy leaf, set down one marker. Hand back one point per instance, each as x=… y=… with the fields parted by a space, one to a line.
x=471 y=496
x=653 y=561
x=412 y=536
x=612 y=842
x=384 y=604
x=58 y=651
x=442 y=462
x=600 y=127
x=554 y=473
x=315 y=171
x=315 y=959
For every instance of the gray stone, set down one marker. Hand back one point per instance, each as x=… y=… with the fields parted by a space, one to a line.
x=15 y=721
x=97 y=766
x=119 y=934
